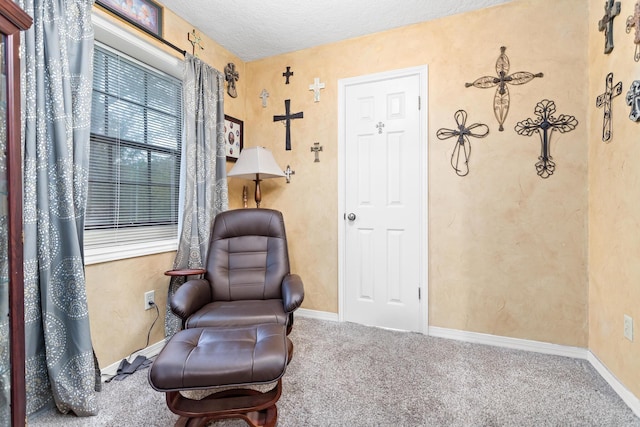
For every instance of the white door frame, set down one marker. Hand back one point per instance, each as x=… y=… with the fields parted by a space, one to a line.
x=422 y=72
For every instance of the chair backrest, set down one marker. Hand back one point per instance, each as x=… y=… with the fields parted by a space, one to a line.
x=248 y=256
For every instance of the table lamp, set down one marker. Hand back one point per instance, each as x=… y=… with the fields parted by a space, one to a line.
x=256 y=163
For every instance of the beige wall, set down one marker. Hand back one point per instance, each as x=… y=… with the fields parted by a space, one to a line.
x=614 y=227
x=508 y=251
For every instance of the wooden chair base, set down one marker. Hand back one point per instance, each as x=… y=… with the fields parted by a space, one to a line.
x=256 y=408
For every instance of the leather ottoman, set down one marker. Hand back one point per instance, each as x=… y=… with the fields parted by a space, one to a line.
x=206 y=358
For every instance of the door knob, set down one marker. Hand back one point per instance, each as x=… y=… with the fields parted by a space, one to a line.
x=351 y=216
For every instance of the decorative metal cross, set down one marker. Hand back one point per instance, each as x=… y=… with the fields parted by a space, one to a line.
x=611 y=10
x=287 y=117
x=287 y=74
x=231 y=76
x=195 y=41
x=634 y=21
x=463 y=145
x=604 y=100
x=288 y=172
x=379 y=126
x=315 y=87
x=633 y=100
x=316 y=149
x=501 y=97
x=264 y=95
x=544 y=126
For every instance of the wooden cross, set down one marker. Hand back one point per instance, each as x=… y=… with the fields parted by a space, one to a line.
x=316 y=149
x=264 y=95
x=463 y=145
x=634 y=21
x=287 y=74
x=288 y=172
x=287 y=117
x=501 y=98
x=633 y=100
x=315 y=87
x=195 y=41
x=611 y=10
x=544 y=126
x=604 y=100
x=231 y=76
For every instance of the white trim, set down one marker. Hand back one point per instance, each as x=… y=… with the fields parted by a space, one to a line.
x=124 y=40
x=148 y=352
x=114 y=253
x=629 y=398
x=507 y=342
x=423 y=72
x=315 y=314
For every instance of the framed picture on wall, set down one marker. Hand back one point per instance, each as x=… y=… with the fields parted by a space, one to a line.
x=233 y=137
x=144 y=14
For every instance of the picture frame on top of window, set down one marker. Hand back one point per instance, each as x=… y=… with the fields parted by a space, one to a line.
x=143 y=14
x=233 y=137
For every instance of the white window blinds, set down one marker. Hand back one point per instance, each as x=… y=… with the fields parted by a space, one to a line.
x=134 y=172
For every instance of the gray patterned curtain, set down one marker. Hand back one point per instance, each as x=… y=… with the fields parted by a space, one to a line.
x=57 y=55
x=204 y=169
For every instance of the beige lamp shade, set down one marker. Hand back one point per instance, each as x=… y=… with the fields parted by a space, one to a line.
x=256 y=163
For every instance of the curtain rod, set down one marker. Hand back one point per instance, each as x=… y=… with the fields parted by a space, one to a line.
x=168 y=43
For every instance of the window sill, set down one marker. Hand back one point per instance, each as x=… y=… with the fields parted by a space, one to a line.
x=115 y=253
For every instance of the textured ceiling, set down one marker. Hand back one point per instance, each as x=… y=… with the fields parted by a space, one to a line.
x=255 y=29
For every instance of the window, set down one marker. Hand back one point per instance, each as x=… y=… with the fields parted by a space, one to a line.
x=134 y=171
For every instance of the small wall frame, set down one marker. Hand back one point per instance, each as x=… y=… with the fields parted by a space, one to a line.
x=233 y=137
x=143 y=14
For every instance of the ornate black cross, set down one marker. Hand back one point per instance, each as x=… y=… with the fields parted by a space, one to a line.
x=231 y=76
x=287 y=117
x=633 y=100
x=463 y=145
x=544 y=126
x=501 y=98
x=634 y=21
x=287 y=74
x=611 y=10
x=604 y=100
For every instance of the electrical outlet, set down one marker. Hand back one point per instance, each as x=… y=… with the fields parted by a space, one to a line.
x=628 y=327
x=149 y=299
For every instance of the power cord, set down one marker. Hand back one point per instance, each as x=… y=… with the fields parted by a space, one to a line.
x=125 y=362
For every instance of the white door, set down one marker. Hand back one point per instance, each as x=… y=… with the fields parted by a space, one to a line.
x=383 y=194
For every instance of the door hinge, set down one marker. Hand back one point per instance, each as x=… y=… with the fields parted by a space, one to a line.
x=419 y=103
x=419 y=293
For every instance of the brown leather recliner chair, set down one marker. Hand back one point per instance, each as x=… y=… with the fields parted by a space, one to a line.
x=247 y=279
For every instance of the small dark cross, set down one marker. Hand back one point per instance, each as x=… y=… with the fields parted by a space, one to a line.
x=633 y=100
x=287 y=74
x=544 y=126
x=316 y=149
x=634 y=21
x=231 y=76
x=611 y=10
x=604 y=100
x=287 y=117
x=501 y=98
x=463 y=145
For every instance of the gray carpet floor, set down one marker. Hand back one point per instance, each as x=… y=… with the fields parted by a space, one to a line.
x=344 y=374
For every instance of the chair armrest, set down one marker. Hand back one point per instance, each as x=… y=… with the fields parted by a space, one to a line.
x=292 y=292
x=190 y=297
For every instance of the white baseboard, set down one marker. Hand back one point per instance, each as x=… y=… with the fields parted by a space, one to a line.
x=315 y=314
x=629 y=398
x=515 y=343
x=151 y=351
